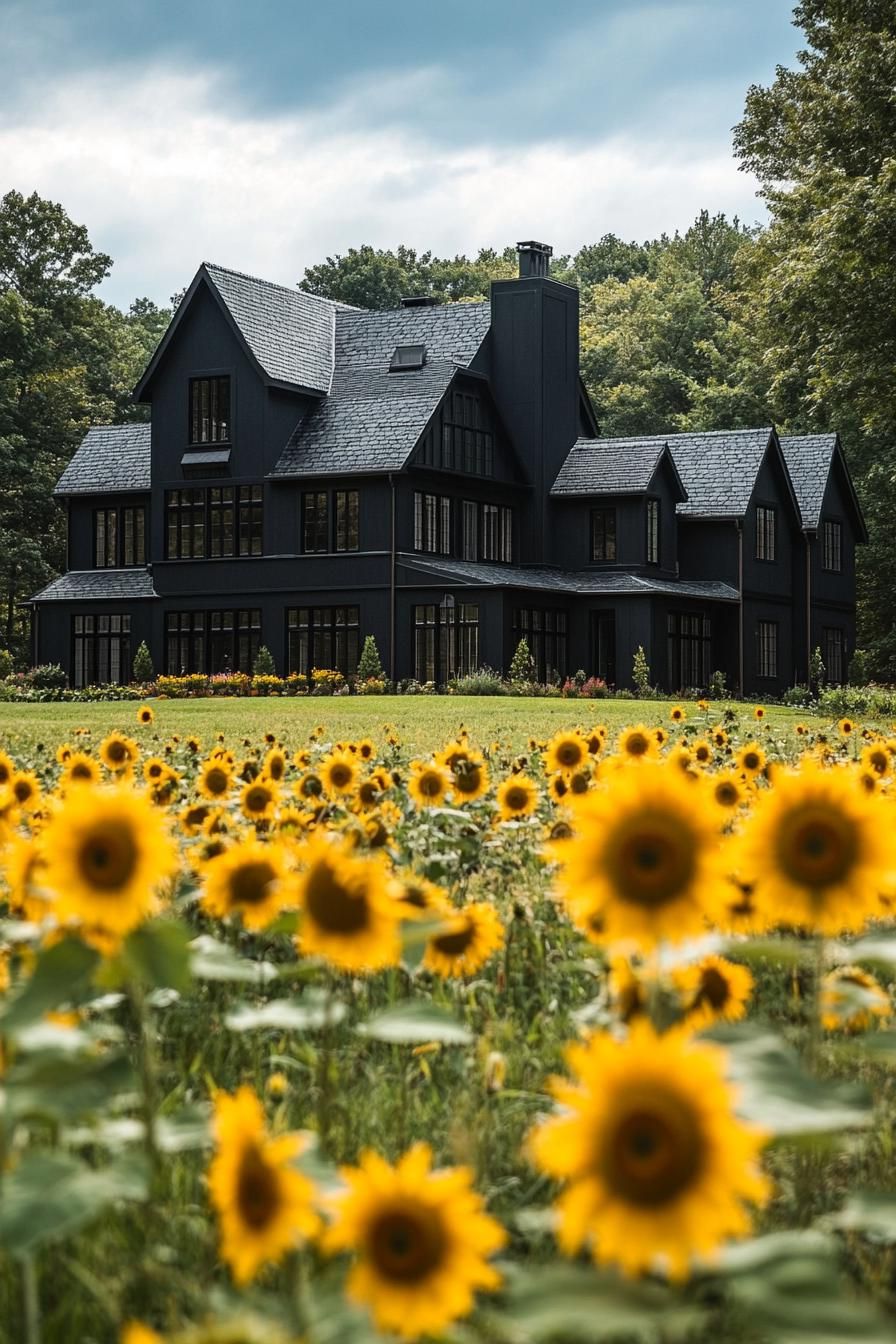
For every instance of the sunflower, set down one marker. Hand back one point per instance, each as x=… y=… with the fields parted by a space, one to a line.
x=719 y=737
x=565 y=751
x=758 y=713
x=417 y=896
x=215 y=779
x=677 y=714
x=259 y=798
x=750 y=760
x=145 y=715
x=517 y=797
x=847 y=727
x=728 y=790
x=465 y=942
x=7 y=768
x=821 y=849
x=702 y=751
x=428 y=783
x=135 y=1332
x=25 y=787
x=558 y=788
x=248 y=880
x=274 y=764
x=657 y=1165
x=637 y=742
x=852 y=1000
x=660 y=736
x=713 y=990
x=265 y=1206
x=366 y=749
x=876 y=757
x=644 y=858
x=193 y=818
x=740 y=911
x=25 y=880
x=107 y=852
x=422 y=1240
x=349 y=916
x=628 y=993
x=596 y=740
x=470 y=779
x=338 y=772
x=79 y=769
x=155 y=770
x=118 y=753
x=371 y=789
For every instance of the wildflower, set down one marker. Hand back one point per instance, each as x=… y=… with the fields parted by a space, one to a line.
x=79 y=768
x=657 y=1165
x=422 y=1240
x=25 y=787
x=470 y=779
x=677 y=714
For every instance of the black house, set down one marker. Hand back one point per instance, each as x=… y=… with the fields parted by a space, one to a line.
x=434 y=476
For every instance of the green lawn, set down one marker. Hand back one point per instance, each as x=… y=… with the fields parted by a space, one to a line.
x=423 y=722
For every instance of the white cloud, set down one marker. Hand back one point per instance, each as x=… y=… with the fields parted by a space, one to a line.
x=166 y=172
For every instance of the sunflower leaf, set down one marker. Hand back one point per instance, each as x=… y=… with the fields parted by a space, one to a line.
x=61 y=975
x=310 y=1013
x=214 y=960
x=158 y=954
x=49 y=1195
x=415 y=1022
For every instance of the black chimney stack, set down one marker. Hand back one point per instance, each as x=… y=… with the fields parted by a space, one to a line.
x=535 y=259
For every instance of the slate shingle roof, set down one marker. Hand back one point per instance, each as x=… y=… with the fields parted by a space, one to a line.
x=808 y=458
x=609 y=467
x=97 y=585
x=109 y=457
x=289 y=332
x=372 y=418
x=718 y=468
x=593 y=583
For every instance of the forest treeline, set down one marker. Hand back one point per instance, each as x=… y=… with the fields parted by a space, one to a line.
x=719 y=326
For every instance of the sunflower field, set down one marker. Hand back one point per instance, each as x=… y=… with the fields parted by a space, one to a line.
x=332 y=1041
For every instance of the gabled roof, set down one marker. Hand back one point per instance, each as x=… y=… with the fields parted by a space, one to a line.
x=596 y=583
x=287 y=334
x=96 y=585
x=612 y=467
x=719 y=469
x=810 y=459
x=372 y=418
x=109 y=457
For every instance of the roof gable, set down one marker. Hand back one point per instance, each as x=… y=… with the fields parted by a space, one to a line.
x=614 y=467
x=288 y=335
x=811 y=458
x=110 y=458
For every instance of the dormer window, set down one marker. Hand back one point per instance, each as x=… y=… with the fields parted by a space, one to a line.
x=210 y=410
x=407 y=357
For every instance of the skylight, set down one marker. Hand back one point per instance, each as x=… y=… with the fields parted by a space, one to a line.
x=408 y=357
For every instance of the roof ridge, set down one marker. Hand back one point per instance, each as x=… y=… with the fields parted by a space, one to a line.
x=449 y=306
x=275 y=284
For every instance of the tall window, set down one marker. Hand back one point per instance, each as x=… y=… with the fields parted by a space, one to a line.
x=446 y=640
x=432 y=523
x=766 y=533
x=220 y=522
x=833 y=651
x=323 y=637
x=469 y=540
x=497 y=532
x=767 y=649
x=653 y=531
x=210 y=410
x=250 y=537
x=102 y=649
x=468 y=443
x=603 y=534
x=185 y=524
x=212 y=641
x=545 y=632
x=133 y=529
x=688 y=649
x=347 y=532
x=315 y=521
x=832 y=546
x=105 y=538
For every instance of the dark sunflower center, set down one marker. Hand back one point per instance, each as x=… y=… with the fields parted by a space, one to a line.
x=579 y=782
x=702 y=754
x=654 y=1152
x=331 y=905
x=407 y=1244
x=516 y=798
x=726 y=794
x=561 y=830
x=217 y=780
x=569 y=754
x=117 y=752
x=257 y=1190
x=108 y=857
x=430 y=784
x=637 y=744
x=249 y=883
x=751 y=761
x=276 y=767
x=340 y=775
x=23 y=790
x=714 y=989
x=455 y=942
x=368 y=792
x=652 y=861
x=817 y=846
x=311 y=787
x=414 y=896
x=257 y=799
x=468 y=779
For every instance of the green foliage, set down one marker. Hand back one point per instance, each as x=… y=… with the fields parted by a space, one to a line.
x=818 y=673
x=641 y=674
x=522 y=665
x=858 y=673
x=370 y=668
x=143 y=669
x=6 y=663
x=484 y=681
x=264 y=663
x=381 y=278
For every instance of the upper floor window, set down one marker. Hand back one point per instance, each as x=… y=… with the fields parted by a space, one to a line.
x=653 y=531
x=767 y=649
x=210 y=410
x=469 y=531
x=330 y=525
x=347 y=521
x=119 y=537
x=832 y=546
x=603 y=534
x=461 y=436
x=221 y=522
x=315 y=521
x=432 y=523
x=766 y=532
x=497 y=532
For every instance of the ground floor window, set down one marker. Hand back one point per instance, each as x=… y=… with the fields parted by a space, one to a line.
x=324 y=637
x=833 y=651
x=212 y=641
x=767 y=649
x=446 y=640
x=102 y=649
x=546 y=634
x=689 y=649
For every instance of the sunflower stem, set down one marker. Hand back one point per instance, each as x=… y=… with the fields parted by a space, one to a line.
x=148 y=1085
x=31 y=1300
x=814 y=1049
x=324 y=1079
x=299 y=1295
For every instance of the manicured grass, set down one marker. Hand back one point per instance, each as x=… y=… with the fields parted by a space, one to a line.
x=423 y=722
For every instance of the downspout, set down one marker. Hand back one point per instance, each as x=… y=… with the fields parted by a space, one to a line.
x=808 y=609
x=740 y=605
x=392 y=587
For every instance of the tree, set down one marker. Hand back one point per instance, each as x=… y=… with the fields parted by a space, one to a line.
x=264 y=663
x=370 y=667
x=143 y=668
x=822 y=141
x=522 y=666
x=378 y=278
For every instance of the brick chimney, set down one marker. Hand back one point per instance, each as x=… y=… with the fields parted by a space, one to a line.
x=535 y=259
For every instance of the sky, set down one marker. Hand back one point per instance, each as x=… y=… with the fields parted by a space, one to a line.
x=267 y=135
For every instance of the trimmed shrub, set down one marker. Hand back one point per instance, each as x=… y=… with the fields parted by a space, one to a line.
x=143 y=669
x=370 y=668
x=264 y=663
